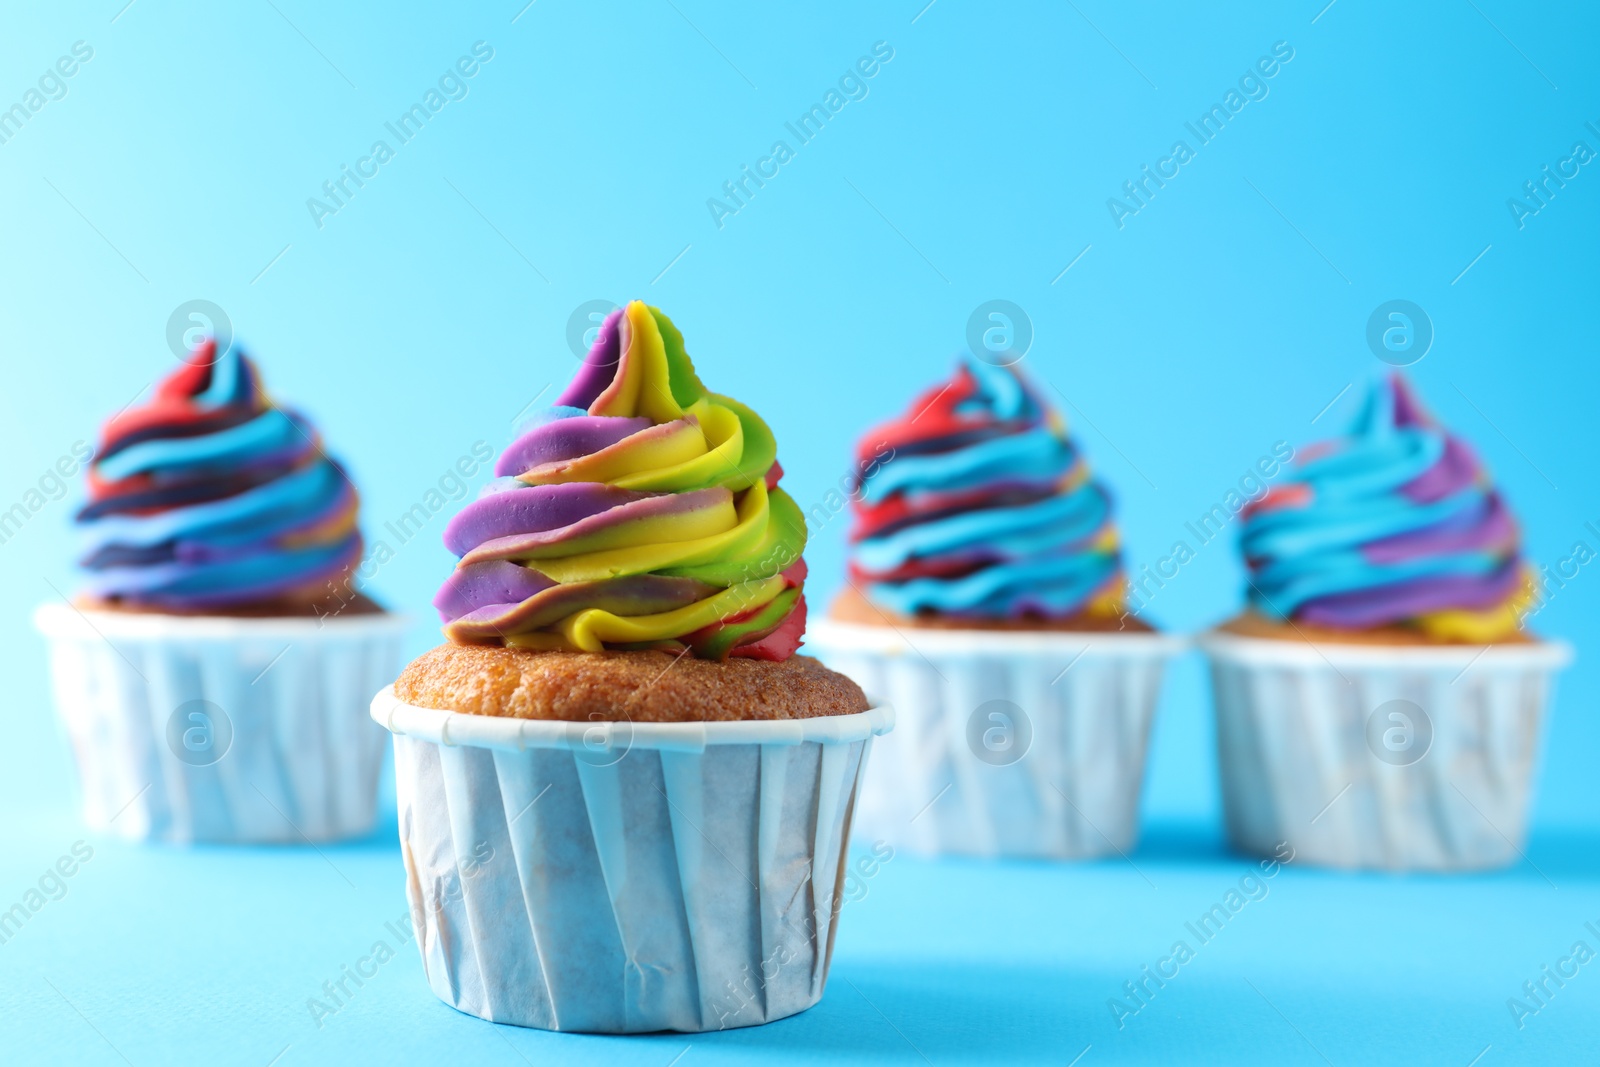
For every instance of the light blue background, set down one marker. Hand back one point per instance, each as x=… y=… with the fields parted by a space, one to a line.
x=433 y=308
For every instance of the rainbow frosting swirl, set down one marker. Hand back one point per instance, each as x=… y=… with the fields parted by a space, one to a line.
x=985 y=508
x=640 y=512
x=210 y=496
x=1395 y=524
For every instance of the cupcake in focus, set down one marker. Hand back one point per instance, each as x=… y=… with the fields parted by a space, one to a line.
x=213 y=668
x=1379 y=703
x=986 y=602
x=624 y=799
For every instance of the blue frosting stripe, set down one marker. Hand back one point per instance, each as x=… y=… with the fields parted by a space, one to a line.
x=259 y=573
x=1388 y=525
x=1298 y=539
x=1034 y=455
x=1009 y=533
x=270 y=432
x=1000 y=393
x=259 y=514
x=1338 y=573
x=1051 y=585
x=1386 y=460
x=275 y=516
x=991 y=445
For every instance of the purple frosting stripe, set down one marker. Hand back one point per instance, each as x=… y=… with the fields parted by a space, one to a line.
x=642 y=594
x=565 y=439
x=1382 y=605
x=599 y=366
x=534 y=509
x=575 y=535
x=1457 y=468
x=493 y=583
x=1478 y=529
x=641 y=441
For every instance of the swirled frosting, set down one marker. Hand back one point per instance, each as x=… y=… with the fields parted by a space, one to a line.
x=985 y=508
x=1395 y=524
x=640 y=512
x=212 y=497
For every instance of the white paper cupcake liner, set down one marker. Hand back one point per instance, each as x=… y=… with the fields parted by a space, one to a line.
x=213 y=729
x=1402 y=758
x=622 y=878
x=1007 y=743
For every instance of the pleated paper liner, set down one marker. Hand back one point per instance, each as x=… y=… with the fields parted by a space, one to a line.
x=1401 y=758
x=625 y=878
x=1008 y=743
x=210 y=729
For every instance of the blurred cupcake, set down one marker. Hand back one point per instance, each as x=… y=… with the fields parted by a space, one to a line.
x=213 y=671
x=1378 y=703
x=986 y=603
x=624 y=800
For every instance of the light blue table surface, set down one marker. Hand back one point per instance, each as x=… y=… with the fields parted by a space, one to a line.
x=1384 y=161
x=210 y=955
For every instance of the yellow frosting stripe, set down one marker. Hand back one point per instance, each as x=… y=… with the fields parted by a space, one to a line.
x=705 y=448
x=690 y=526
x=1480 y=627
x=639 y=387
x=752 y=512
x=779 y=546
x=722 y=446
x=635 y=455
x=1108 y=604
x=541 y=641
x=731 y=553
x=337 y=527
x=592 y=629
x=1108 y=541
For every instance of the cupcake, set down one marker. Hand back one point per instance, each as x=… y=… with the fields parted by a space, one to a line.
x=213 y=670
x=1379 y=703
x=624 y=799
x=986 y=601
